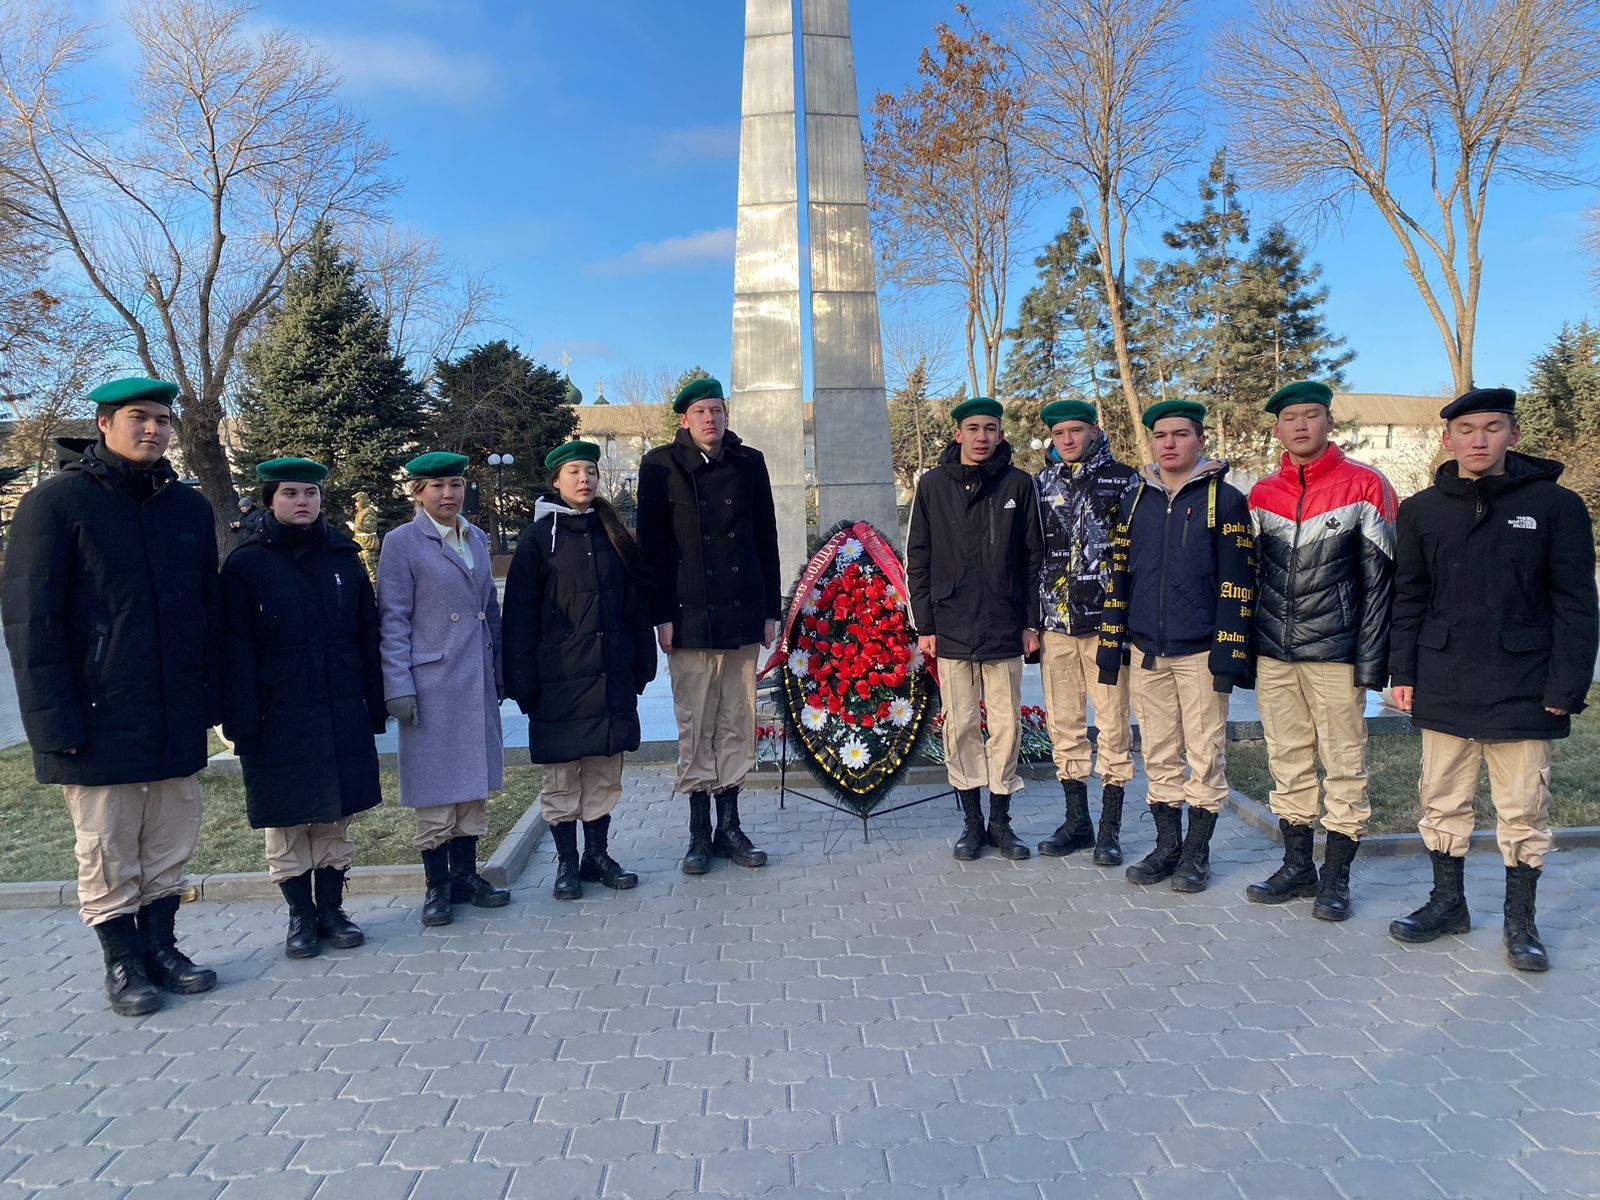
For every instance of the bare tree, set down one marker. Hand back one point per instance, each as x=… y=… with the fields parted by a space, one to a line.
x=432 y=304
x=184 y=223
x=47 y=387
x=1110 y=108
x=951 y=183
x=1417 y=106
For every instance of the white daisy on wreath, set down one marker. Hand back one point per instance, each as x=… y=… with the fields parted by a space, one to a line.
x=799 y=663
x=854 y=755
x=809 y=604
x=851 y=550
x=900 y=712
x=813 y=717
x=917 y=658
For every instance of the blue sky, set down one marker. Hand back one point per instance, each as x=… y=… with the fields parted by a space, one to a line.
x=584 y=155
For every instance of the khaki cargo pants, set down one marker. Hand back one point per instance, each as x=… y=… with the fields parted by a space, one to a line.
x=1182 y=717
x=1519 y=785
x=1067 y=666
x=970 y=761
x=1312 y=710
x=583 y=790
x=714 y=703
x=132 y=842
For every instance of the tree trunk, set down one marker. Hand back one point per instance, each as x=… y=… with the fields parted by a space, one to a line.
x=206 y=460
x=1119 y=340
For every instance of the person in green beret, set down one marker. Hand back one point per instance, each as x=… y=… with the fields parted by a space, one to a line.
x=579 y=650
x=1181 y=595
x=1325 y=537
x=111 y=620
x=440 y=638
x=303 y=697
x=709 y=535
x=973 y=553
x=1083 y=492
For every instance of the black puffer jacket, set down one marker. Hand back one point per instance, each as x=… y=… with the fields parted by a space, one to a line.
x=111 y=617
x=578 y=644
x=1494 y=612
x=709 y=537
x=1080 y=504
x=973 y=553
x=1183 y=578
x=303 y=685
x=1325 y=564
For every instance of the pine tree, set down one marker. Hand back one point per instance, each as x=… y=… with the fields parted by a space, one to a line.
x=669 y=421
x=1559 y=410
x=322 y=381
x=918 y=430
x=496 y=400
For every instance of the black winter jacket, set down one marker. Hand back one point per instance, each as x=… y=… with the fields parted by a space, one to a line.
x=973 y=553
x=709 y=538
x=302 y=690
x=1080 y=504
x=578 y=643
x=1325 y=564
x=111 y=620
x=1494 y=609
x=1183 y=578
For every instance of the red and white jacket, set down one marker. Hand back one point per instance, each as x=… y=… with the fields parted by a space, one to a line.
x=1325 y=539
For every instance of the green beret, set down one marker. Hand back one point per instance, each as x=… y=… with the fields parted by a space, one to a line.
x=1192 y=410
x=696 y=389
x=291 y=470
x=1058 y=411
x=440 y=464
x=1304 y=391
x=571 y=452
x=127 y=391
x=978 y=406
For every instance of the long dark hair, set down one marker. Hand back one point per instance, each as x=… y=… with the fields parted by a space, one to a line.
x=627 y=549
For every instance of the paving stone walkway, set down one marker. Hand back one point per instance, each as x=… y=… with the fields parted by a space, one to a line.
x=878 y=1021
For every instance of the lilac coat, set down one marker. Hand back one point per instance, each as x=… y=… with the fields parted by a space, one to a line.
x=440 y=627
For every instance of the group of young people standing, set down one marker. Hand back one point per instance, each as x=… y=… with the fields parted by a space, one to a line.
x=1165 y=585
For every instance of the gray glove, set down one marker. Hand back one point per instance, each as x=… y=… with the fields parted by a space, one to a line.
x=403 y=709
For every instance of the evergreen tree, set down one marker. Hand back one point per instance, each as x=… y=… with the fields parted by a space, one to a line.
x=496 y=400
x=322 y=381
x=919 y=428
x=669 y=421
x=1559 y=410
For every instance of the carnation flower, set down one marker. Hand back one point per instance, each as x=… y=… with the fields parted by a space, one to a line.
x=800 y=664
x=814 y=717
x=900 y=713
x=853 y=754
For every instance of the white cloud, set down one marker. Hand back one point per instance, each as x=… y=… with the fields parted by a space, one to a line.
x=372 y=64
x=689 y=250
x=678 y=146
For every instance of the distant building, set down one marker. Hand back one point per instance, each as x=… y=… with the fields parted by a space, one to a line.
x=1397 y=434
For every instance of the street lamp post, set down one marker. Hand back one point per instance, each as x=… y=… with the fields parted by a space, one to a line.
x=500 y=462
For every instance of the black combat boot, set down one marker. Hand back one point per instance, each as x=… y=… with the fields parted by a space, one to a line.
x=973 y=838
x=164 y=964
x=1000 y=834
x=1108 y=841
x=1194 y=862
x=131 y=993
x=466 y=885
x=1524 y=950
x=729 y=841
x=1297 y=878
x=334 y=925
x=1446 y=909
x=569 y=884
x=436 y=908
x=597 y=865
x=302 y=940
x=1162 y=861
x=697 y=861
x=1077 y=831
x=1333 y=896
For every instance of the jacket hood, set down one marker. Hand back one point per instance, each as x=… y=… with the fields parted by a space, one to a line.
x=998 y=462
x=90 y=457
x=1203 y=469
x=1520 y=469
x=554 y=508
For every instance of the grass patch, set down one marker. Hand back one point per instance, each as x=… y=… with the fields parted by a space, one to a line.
x=1394 y=763
x=36 y=832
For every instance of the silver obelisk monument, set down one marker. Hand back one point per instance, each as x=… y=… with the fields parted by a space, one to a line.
x=849 y=416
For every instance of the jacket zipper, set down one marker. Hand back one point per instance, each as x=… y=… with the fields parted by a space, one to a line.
x=1161 y=592
x=1294 y=557
x=102 y=635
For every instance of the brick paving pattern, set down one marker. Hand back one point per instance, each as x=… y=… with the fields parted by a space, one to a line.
x=880 y=1022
